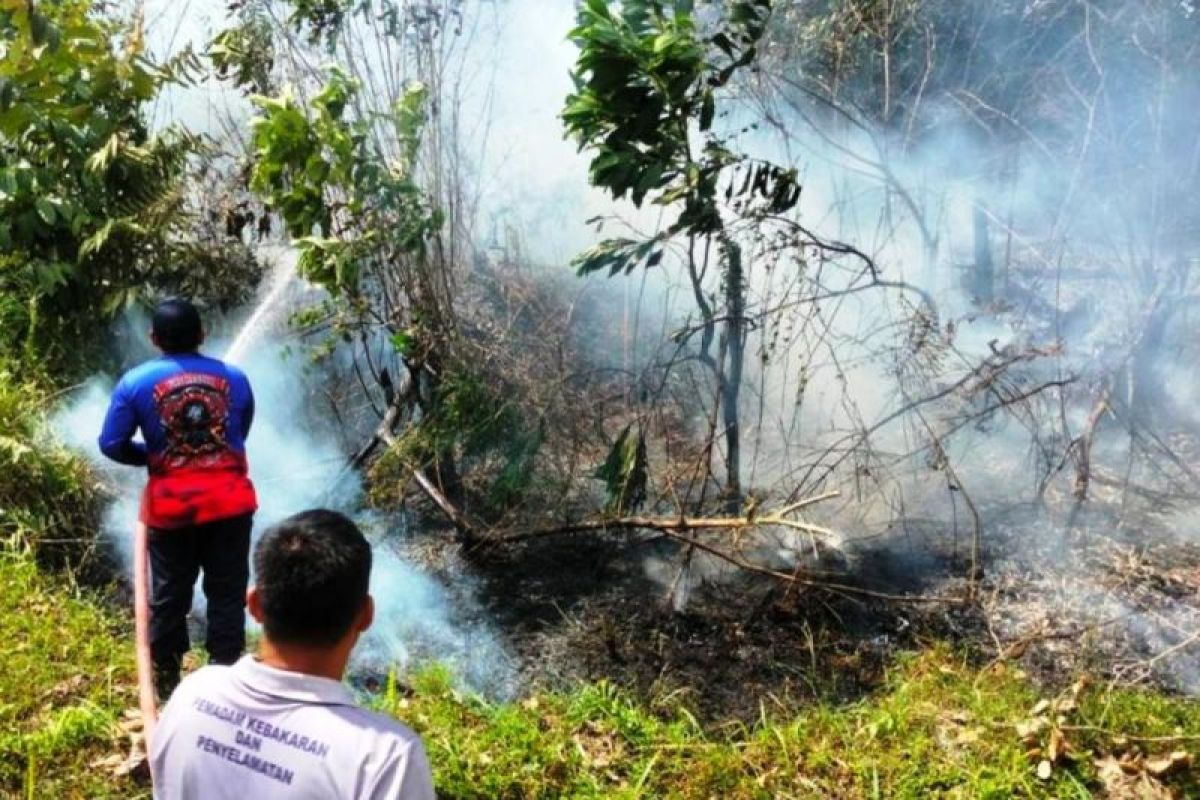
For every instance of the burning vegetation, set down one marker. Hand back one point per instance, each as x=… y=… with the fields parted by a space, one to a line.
x=858 y=408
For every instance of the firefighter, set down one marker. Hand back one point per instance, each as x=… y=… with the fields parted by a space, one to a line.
x=194 y=413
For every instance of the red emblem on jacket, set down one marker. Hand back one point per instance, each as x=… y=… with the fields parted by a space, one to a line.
x=197 y=478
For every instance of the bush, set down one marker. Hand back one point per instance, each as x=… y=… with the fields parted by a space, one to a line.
x=49 y=501
x=477 y=427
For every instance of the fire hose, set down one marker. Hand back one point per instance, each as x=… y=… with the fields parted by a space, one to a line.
x=141 y=615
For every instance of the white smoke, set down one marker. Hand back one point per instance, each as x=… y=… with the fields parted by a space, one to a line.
x=533 y=181
x=296 y=464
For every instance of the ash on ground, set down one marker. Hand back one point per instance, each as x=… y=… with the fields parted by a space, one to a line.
x=1095 y=599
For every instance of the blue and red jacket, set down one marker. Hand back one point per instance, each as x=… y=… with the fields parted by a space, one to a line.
x=194 y=413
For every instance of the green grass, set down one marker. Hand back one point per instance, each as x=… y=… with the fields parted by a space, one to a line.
x=938 y=728
x=66 y=665
x=67 y=677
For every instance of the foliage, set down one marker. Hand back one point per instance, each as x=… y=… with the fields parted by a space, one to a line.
x=338 y=197
x=342 y=165
x=68 y=666
x=624 y=471
x=937 y=728
x=518 y=457
x=92 y=202
x=474 y=423
x=45 y=490
x=646 y=83
x=245 y=54
x=323 y=19
x=360 y=221
x=67 y=677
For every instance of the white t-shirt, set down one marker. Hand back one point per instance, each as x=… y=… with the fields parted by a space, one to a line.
x=253 y=731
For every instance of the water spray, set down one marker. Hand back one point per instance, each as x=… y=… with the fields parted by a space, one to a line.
x=297 y=466
x=280 y=279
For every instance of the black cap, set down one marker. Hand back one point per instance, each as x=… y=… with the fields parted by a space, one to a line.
x=176 y=325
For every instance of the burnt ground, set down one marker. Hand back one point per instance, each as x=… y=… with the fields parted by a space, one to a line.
x=1097 y=599
x=584 y=608
x=1116 y=598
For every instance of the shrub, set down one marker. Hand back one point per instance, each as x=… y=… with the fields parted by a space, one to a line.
x=49 y=501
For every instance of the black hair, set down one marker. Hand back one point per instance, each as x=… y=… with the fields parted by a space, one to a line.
x=313 y=572
x=176 y=326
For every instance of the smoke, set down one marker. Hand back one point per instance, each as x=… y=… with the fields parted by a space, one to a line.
x=1086 y=195
x=1082 y=193
x=1087 y=188
x=296 y=464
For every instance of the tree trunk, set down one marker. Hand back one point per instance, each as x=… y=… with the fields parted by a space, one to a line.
x=984 y=279
x=444 y=468
x=731 y=379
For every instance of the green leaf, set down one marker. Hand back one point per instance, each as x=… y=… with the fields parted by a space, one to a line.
x=14 y=449
x=625 y=471
x=40 y=28
x=723 y=43
x=664 y=41
x=45 y=210
x=708 y=109
x=95 y=243
x=610 y=254
x=599 y=8
x=404 y=342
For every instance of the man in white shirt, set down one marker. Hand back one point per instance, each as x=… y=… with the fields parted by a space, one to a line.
x=282 y=724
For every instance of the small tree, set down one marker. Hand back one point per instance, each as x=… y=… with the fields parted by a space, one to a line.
x=648 y=82
x=358 y=162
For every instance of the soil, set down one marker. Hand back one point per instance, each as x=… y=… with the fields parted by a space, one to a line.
x=1098 y=599
x=577 y=608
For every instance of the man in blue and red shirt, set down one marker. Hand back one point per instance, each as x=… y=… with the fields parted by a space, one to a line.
x=194 y=413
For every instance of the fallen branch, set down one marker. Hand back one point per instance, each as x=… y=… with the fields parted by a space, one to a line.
x=678 y=528
x=797 y=579
x=467 y=531
x=1145 y=666
x=683 y=524
x=675 y=528
x=386 y=431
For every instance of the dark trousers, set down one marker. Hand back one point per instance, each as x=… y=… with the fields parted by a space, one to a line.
x=221 y=550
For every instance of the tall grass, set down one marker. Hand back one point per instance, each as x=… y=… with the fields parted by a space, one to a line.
x=49 y=501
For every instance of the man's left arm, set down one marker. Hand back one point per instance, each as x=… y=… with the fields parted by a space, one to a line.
x=120 y=424
x=248 y=412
